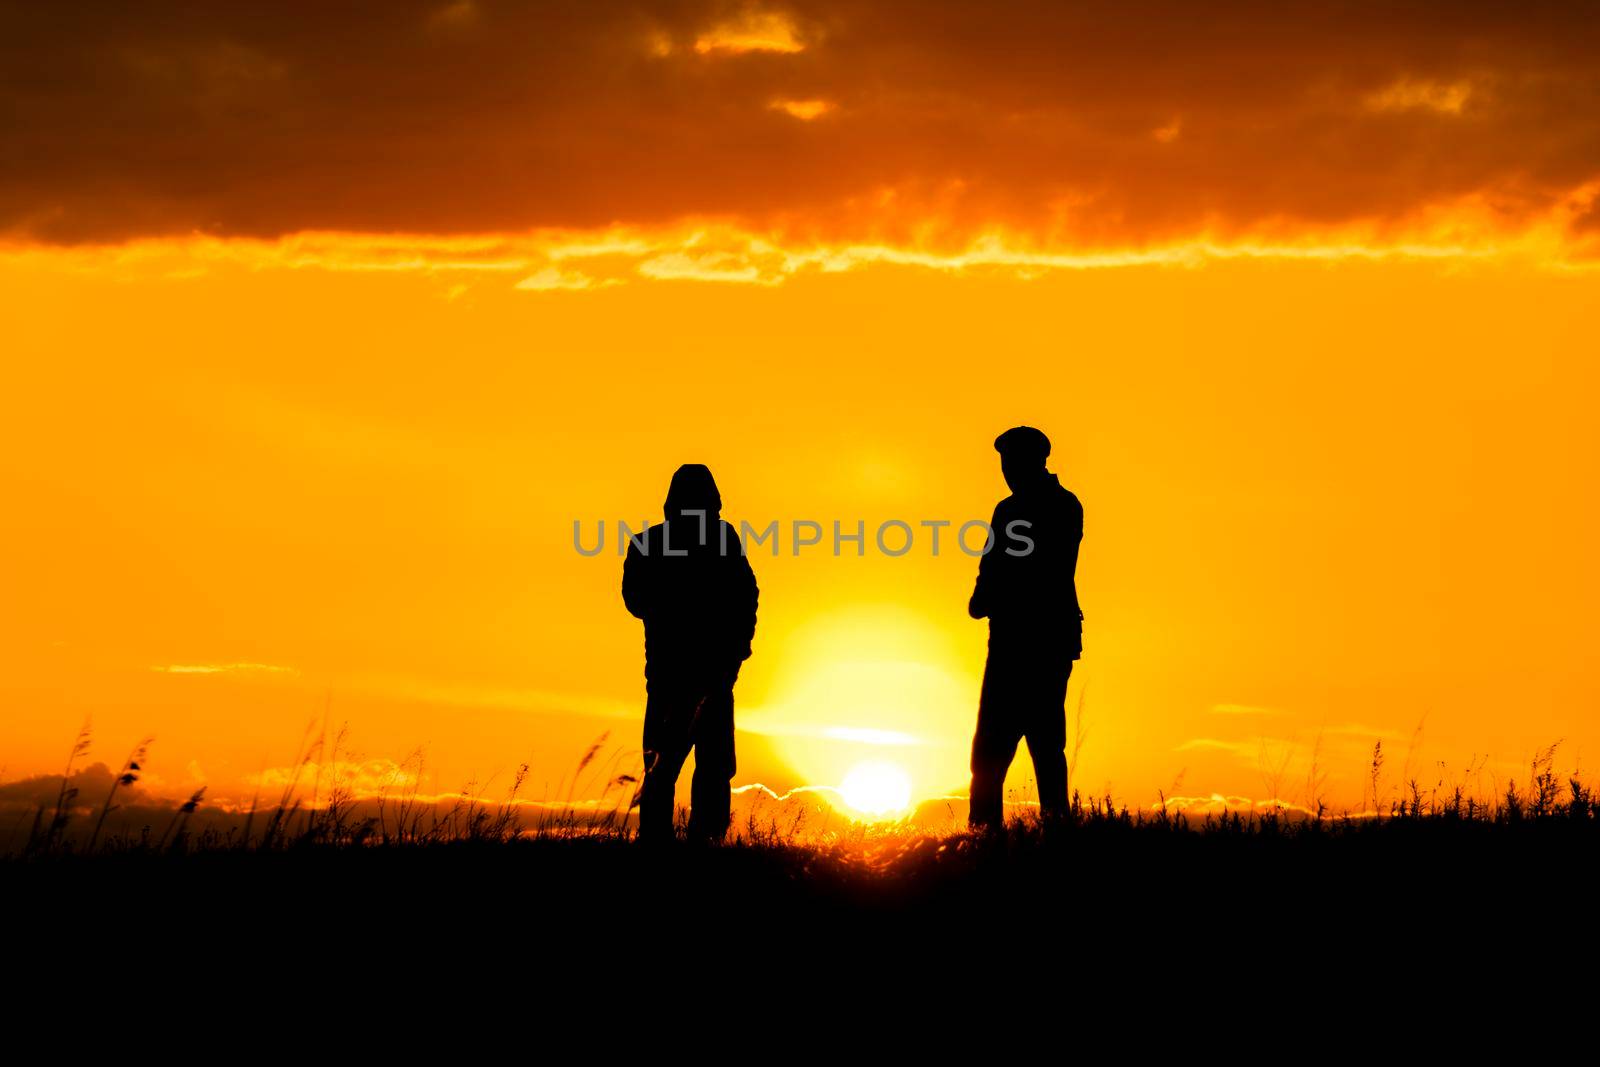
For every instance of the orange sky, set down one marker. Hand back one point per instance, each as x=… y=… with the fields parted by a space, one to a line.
x=1321 y=496
x=306 y=391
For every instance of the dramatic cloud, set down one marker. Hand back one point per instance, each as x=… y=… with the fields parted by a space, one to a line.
x=86 y=790
x=565 y=261
x=1082 y=125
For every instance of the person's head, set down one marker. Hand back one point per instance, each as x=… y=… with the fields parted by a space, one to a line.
x=693 y=489
x=1022 y=454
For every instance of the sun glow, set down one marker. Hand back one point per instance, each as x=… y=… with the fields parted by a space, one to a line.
x=878 y=699
x=876 y=788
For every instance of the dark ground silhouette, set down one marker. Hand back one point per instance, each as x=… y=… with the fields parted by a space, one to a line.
x=1158 y=914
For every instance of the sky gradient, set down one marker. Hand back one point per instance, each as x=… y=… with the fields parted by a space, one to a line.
x=323 y=330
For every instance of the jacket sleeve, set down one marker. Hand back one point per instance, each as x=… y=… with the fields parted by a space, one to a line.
x=636 y=586
x=1077 y=532
x=746 y=596
x=982 y=603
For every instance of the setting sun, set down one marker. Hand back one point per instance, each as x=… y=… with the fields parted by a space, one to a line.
x=876 y=788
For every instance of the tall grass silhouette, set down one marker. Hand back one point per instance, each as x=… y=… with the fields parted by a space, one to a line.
x=336 y=815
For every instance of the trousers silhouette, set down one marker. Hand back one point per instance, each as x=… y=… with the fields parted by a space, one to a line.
x=681 y=714
x=1023 y=696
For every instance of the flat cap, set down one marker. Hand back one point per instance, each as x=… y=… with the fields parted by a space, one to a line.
x=1023 y=441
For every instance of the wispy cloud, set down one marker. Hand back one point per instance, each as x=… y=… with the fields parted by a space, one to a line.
x=1458 y=233
x=804 y=110
x=1407 y=94
x=223 y=668
x=1224 y=803
x=365 y=777
x=753 y=31
x=758 y=789
x=552 y=278
x=1242 y=749
x=703 y=267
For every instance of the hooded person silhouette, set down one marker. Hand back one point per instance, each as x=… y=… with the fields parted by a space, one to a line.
x=687 y=578
x=1028 y=592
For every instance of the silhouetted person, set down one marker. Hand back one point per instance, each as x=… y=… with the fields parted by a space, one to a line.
x=688 y=579
x=1035 y=629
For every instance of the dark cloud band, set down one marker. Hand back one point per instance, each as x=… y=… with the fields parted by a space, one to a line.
x=1085 y=124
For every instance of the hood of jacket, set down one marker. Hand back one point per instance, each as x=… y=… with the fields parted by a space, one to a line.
x=693 y=489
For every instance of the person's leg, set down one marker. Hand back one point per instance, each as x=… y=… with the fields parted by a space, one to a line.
x=711 y=796
x=994 y=743
x=1047 y=734
x=668 y=710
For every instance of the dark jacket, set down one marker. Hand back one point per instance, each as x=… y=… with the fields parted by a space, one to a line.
x=689 y=580
x=1033 y=597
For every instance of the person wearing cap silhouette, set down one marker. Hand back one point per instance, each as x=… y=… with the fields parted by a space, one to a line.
x=687 y=578
x=1027 y=590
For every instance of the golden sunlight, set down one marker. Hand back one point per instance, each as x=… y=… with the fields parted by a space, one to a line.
x=871 y=688
x=878 y=788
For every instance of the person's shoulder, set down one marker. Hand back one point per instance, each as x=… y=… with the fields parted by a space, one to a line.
x=1071 y=507
x=1063 y=494
x=727 y=541
x=646 y=541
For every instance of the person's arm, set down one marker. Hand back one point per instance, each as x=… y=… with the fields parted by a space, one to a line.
x=981 y=604
x=636 y=583
x=747 y=596
x=1076 y=534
